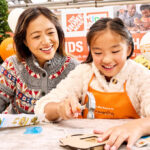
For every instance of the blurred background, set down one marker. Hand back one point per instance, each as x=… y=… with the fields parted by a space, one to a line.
x=76 y=16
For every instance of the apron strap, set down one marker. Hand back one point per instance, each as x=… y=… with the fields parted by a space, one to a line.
x=91 y=80
x=124 y=85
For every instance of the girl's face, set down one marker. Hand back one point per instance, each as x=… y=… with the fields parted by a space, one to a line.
x=42 y=39
x=109 y=52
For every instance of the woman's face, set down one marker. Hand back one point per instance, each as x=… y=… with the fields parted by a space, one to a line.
x=109 y=52
x=42 y=39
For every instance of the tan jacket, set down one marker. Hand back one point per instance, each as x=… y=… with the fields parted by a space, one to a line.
x=76 y=83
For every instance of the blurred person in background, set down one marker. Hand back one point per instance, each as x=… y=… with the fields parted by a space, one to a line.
x=129 y=17
x=145 y=19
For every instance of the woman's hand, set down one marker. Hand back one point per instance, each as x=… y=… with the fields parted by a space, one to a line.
x=129 y=132
x=68 y=109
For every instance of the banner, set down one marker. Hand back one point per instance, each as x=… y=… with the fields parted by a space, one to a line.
x=136 y=39
x=76 y=23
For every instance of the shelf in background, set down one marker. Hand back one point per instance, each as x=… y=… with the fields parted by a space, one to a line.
x=81 y=3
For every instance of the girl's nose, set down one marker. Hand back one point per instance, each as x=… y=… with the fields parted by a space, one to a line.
x=106 y=59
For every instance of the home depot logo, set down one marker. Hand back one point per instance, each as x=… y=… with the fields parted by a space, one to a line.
x=75 y=22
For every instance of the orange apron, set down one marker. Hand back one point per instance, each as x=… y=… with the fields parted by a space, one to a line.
x=111 y=105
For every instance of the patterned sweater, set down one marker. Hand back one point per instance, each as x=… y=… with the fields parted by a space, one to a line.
x=23 y=83
x=75 y=85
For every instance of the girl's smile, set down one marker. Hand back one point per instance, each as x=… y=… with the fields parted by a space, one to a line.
x=109 y=68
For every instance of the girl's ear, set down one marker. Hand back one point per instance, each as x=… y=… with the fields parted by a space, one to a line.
x=129 y=50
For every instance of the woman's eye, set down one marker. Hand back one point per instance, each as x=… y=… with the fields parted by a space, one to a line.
x=115 y=51
x=36 y=37
x=50 y=33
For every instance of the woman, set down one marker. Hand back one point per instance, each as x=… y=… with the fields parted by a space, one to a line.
x=39 y=64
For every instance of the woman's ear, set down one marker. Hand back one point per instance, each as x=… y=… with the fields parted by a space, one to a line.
x=25 y=42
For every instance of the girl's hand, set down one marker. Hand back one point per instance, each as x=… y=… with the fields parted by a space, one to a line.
x=129 y=132
x=68 y=109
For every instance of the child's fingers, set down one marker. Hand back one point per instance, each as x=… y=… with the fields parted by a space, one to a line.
x=78 y=107
x=116 y=141
x=69 y=109
x=111 y=139
x=98 y=132
x=103 y=136
x=65 y=110
x=106 y=135
x=75 y=106
x=131 y=142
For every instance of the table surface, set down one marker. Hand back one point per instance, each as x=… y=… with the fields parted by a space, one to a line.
x=48 y=139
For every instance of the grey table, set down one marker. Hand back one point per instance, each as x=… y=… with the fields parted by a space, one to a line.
x=48 y=139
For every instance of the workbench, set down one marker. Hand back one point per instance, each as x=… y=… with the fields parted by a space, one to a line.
x=48 y=139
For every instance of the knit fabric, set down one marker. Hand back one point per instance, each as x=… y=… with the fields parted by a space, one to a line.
x=136 y=76
x=23 y=83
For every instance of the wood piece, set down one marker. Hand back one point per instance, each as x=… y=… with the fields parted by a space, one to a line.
x=82 y=141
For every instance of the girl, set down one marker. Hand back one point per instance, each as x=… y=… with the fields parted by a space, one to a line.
x=121 y=87
x=39 y=64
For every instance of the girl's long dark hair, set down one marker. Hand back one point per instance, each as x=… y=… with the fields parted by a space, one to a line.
x=115 y=25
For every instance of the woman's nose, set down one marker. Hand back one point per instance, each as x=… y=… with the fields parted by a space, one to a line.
x=45 y=39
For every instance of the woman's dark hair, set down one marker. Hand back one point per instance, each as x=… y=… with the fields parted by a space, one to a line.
x=25 y=18
x=115 y=25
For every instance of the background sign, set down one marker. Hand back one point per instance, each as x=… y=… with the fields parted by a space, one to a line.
x=76 y=23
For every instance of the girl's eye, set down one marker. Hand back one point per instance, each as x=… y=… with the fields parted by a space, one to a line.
x=116 y=51
x=97 y=53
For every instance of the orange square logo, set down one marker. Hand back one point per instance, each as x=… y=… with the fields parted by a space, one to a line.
x=75 y=22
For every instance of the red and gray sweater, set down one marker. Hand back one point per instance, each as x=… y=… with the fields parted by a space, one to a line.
x=23 y=83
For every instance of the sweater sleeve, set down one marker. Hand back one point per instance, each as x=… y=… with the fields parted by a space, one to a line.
x=144 y=92
x=7 y=83
x=71 y=86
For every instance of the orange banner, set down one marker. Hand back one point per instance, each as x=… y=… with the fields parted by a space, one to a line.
x=137 y=38
x=76 y=24
x=77 y=47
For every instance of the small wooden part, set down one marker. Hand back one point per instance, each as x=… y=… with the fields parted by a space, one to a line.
x=82 y=141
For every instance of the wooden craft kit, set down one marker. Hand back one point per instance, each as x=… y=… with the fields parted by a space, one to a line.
x=82 y=142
